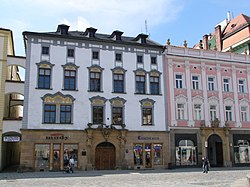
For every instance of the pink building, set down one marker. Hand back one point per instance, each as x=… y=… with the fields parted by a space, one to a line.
x=208 y=106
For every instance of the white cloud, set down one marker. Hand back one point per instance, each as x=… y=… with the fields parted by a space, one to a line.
x=108 y=15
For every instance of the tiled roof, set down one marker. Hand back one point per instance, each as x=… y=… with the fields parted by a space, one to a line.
x=236 y=23
x=81 y=35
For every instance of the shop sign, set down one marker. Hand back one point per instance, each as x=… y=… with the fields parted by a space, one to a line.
x=57 y=136
x=147 y=138
x=11 y=138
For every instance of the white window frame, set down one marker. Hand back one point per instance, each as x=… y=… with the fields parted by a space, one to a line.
x=244 y=113
x=211 y=84
x=213 y=112
x=179 y=82
x=241 y=86
x=229 y=113
x=226 y=85
x=195 y=83
x=180 y=111
x=197 y=112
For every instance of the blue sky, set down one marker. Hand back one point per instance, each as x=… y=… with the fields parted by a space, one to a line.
x=178 y=20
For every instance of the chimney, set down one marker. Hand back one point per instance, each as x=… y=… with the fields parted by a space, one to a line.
x=218 y=38
x=228 y=16
x=62 y=29
x=205 y=41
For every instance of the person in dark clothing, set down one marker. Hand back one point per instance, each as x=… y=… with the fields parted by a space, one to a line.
x=205 y=164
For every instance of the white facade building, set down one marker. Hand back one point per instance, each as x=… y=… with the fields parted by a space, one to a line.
x=85 y=92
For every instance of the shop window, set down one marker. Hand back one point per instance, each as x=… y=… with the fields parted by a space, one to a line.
x=138 y=154
x=186 y=153
x=70 y=150
x=241 y=152
x=42 y=155
x=157 y=154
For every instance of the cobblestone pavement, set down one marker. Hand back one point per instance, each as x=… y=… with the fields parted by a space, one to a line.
x=188 y=177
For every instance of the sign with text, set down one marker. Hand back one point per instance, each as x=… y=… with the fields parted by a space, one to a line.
x=147 y=138
x=11 y=138
x=57 y=136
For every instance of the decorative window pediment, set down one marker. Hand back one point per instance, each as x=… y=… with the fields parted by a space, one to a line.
x=98 y=100
x=198 y=99
x=181 y=98
x=95 y=68
x=154 y=73
x=117 y=101
x=244 y=102
x=213 y=100
x=147 y=102
x=228 y=101
x=45 y=64
x=58 y=98
x=141 y=72
x=70 y=66
x=118 y=70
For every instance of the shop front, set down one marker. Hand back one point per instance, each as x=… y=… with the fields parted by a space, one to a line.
x=147 y=150
x=52 y=150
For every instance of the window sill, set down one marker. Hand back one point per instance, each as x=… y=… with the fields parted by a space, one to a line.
x=57 y=123
x=119 y=92
x=70 y=90
x=148 y=125
x=44 y=88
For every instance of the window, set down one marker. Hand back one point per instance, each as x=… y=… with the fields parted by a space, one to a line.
x=241 y=151
x=118 y=57
x=195 y=82
x=65 y=114
x=139 y=59
x=95 y=55
x=180 y=111
x=229 y=113
x=153 y=60
x=118 y=83
x=138 y=154
x=95 y=81
x=197 y=112
x=71 y=53
x=117 y=116
x=49 y=113
x=147 y=116
x=69 y=80
x=154 y=85
x=97 y=114
x=212 y=112
x=70 y=150
x=210 y=83
x=226 y=85
x=45 y=50
x=243 y=111
x=59 y=108
x=140 y=84
x=242 y=86
x=44 y=78
x=147 y=111
x=178 y=81
x=186 y=153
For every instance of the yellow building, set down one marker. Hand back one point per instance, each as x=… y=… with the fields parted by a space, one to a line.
x=11 y=100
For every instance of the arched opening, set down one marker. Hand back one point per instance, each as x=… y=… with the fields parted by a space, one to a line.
x=13 y=106
x=15 y=73
x=215 y=150
x=105 y=156
x=11 y=150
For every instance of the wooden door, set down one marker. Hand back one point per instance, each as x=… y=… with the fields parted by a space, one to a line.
x=219 y=154
x=105 y=158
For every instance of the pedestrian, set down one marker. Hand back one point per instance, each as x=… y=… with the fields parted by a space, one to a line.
x=205 y=164
x=71 y=163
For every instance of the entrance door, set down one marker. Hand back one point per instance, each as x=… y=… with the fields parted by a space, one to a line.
x=105 y=156
x=148 y=156
x=215 y=150
x=56 y=157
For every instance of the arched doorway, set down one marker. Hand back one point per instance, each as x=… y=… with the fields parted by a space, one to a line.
x=215 y=150
x=105 y=156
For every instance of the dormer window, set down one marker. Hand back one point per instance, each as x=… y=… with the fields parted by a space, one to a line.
x=116 y=35
x=90 y=32
x=142 y=38
x=62 y=29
